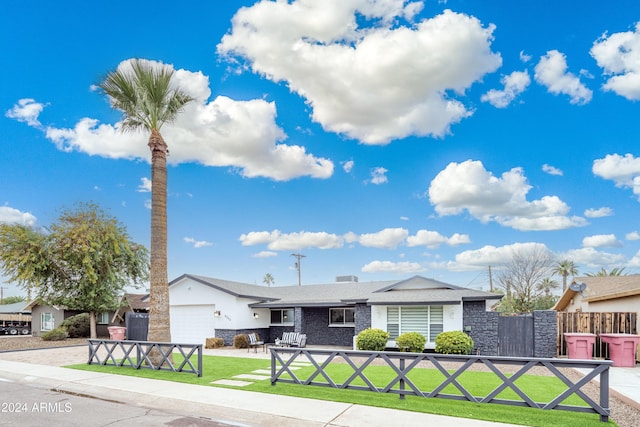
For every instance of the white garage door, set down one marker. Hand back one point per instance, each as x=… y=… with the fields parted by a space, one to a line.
x=191 y=324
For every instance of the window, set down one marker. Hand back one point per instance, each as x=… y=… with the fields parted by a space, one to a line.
x=342 y=316
x=282 y=316
x=102 y=318
x=426 y=320
x=47 y=321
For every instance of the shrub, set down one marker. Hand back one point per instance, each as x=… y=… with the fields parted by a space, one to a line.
x=411 y=341
x=57 y=334
x=241 y=341
x=77 y=326
x=372 y=339
x=454 y=342
x=214 y=343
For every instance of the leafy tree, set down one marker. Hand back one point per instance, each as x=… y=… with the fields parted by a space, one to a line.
x=617 y=271
x=521 y=276
x=268 y=279
x=148 y=98
x=83 y=262
x=565 y=268
x=12 y=300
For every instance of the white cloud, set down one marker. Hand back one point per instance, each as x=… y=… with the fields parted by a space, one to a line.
x=433 y=239
x=524 y=57
x=145 y=186
x=514 y=84
x=265 y=254
x=27 y=110
x=497 y=257
x=378 y=176
x=593 y=258
x=601 y=240
x=242 y=135
x=320 y=52
x=623 y=171
x=551 y=170
x=468 y=186
x=634 y=235
x=619 y=56
x=10 y=215
x=598 y=213
x=551 y=72
x=388 y=238
x=348 y=166
x=278 y=241
x=197 y=243
x=392 y=267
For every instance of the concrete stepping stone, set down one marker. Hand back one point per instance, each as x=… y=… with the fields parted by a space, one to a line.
x=252 y=377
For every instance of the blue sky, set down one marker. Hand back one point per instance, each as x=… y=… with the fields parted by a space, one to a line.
x=381 y=139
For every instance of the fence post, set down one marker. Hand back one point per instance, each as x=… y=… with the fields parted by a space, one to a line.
x=402 y=380
x=604 y=393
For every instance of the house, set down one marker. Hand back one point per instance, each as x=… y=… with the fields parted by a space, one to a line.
x=45 y=317
x=329 y=314
x=602 y=294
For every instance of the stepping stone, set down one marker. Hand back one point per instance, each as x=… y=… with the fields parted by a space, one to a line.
x=252 y=377
x=268 y=371
x=235 y=383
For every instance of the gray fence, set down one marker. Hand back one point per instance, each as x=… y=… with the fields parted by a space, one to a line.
x=145 y=355
x=401 y=364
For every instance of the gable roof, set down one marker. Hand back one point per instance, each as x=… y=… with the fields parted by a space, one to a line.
x=415 y=290
x=601 y=289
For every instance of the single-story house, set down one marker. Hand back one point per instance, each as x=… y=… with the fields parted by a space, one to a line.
x=602 y=294
x=46 y=317
x=329 y=314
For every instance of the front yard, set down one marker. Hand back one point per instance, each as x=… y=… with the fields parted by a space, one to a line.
x=254 y=375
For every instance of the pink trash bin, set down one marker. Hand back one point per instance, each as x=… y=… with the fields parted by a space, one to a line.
x=116 y=332
x=580 y=345
x=622 y=348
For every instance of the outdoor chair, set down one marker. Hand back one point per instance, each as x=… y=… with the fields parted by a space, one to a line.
x=292 y=339
x=254 y=342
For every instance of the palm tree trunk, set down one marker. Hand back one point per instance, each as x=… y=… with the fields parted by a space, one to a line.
x=159 y=322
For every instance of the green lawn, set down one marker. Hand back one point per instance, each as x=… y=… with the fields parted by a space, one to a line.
x=539 y=388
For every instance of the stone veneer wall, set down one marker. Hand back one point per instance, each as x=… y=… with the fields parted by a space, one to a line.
x=545 y=331
x=363 y=318
x=482 y=327
x=316 y=325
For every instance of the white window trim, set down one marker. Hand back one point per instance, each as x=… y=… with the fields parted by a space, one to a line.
x=429 y=322
x=343 y=324
x=47 y=325
x=282 y=310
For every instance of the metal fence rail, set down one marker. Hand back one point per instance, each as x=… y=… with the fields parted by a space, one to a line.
x=402 y=363
x=141 y=355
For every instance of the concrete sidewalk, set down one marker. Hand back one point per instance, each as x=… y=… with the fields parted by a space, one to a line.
x=232 y=406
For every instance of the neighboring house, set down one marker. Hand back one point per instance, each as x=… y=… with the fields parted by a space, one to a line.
x=329 y=314
x=136 y=303
x=45 y=318
x=602 y=294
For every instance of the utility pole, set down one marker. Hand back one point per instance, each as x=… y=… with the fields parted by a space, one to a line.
x=490 y=280
x=299 y=257
x=2 y=288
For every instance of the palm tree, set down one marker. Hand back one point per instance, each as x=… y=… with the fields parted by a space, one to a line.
x=547 y=285
x=565 y=268
x=616 y=271
x=268 y=279
x=145 y=94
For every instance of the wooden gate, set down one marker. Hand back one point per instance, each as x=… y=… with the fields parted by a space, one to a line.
x=515 y=336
